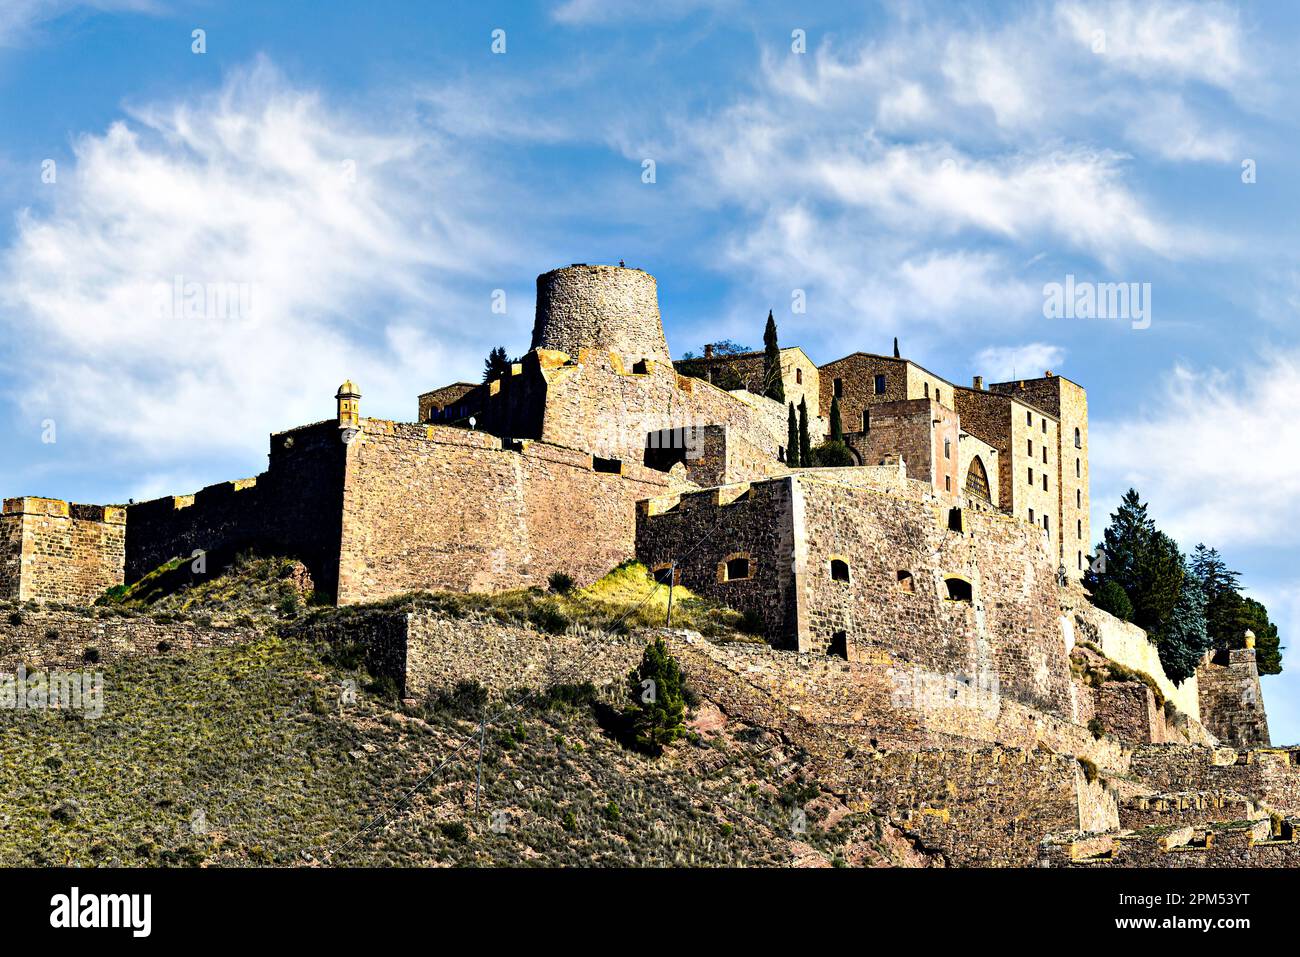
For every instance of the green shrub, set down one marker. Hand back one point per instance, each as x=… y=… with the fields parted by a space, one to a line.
x=832 y=455
x=561 y=583
x=454 y=831
x=1110 y=596
x=656 y=690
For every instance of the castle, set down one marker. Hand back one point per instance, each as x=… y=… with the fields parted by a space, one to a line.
x=953 y=546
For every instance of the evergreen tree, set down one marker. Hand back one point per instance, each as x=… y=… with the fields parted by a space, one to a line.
x=1109 y=596
x=805 y=443
x=792 y=440
x=657 y=693
x=1182 y=640
x=773 y=386
x=1224 y=605
x=837 y=427
x=1159 y=574
x=496 y=365
x=831 y=455
x=1142 y=560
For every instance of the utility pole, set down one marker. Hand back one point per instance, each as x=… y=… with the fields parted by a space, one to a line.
x=672 y=578
x=482 y=738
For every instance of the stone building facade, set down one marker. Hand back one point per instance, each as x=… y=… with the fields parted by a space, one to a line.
x=1230 y=697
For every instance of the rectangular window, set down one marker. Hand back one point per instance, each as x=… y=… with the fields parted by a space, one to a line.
x=1031 y=515
x=927 y=390
x=880 y=385
x=1044 y=483
x=839 y=388
x=1031 y=446
x=947 y=483
x=866 y=420
x=1044 y=425
x=1031 y=476
x=1029 y=417
x=1044 y=454
x=1046 y=527
x=1078 y=498
x=1079 y=528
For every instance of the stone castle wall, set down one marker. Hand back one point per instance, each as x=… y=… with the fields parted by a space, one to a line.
x=900 y=549
x=293 y=509
x=433 y=507
x=51 y=550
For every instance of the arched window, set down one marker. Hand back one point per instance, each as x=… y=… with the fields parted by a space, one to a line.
x=839 y=570
x=977 y=480
x=959 y=589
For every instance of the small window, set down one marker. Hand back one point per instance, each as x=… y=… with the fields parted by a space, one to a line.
x=958 y=589
x=1044 y=454
x=641 y=367
x=1047 y=526
x=927 y=390
x=612 y=466
x=1078 y=498
x=905 y=582
x=1078 y=529
x=798 y=377
x=938 y=396
x=947 y=448
x=1044 y=426
x=839 y=388
x=663 y=575
x=736 y=569
x=1078 y=439
x=839 y=645
x=1080 y=561
x=947 y=483
x=880 y=385
x=955 y=522
x=1044 y=483
x=866 y=420
x=839 y=570
x=1029 y=417
x=1031 y=514
x=1078 y=468
x=1031 y=476
x=1031 y=446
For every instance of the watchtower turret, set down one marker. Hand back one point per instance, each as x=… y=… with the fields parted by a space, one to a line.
x=611 y=308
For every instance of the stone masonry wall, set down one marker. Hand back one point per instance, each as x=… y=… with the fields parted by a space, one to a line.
x=53 y=551
x=1231 y=703
x=292 y=509
x=50 y=639
x=599 y=307
x=433 y=507
x=1269 y=776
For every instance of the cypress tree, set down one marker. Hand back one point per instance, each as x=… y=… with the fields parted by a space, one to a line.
x=496 y=365
x=657 y=697
x=837 y=427
x=773 y=387
x=792 y=440
x=805 y=443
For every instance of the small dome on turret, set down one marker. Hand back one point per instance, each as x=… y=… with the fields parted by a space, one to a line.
x=348 y=388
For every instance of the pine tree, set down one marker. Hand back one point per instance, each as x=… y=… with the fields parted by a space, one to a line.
x=1159 y=574
x=1223 y=600
x=792 y=440
x=773 y=386
x=657 y=693
x=805 y=443
x=837 y=427
x=1182 y=640
x=496 y=364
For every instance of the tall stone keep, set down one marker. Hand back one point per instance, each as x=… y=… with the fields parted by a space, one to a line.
x=608 y=308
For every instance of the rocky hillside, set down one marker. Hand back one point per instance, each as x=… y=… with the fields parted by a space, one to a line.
x=277 y=753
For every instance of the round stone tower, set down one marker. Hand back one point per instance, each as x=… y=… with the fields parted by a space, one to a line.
x=610 y=308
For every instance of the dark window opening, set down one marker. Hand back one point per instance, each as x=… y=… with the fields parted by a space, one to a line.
x=1044 y=454
x=1031 y=476
x=905 y=582
x=956 y=522
x=737 y=568
x=839 y=645
x=1078 y=468
x=839 y=570
x=1078 y=530
x=958 y=589
x=927 y=390
x=1031 y=446
x=1029 y=417
x=641 y=367
x=798 y=377
x=612 y=466
x=938 y=396
x=866 y=420
x=1078 y=439
x=947 y=448
x=839 y=388
x=664 y=575
x=947 y=483
x=1044 y=483
x=880 y=385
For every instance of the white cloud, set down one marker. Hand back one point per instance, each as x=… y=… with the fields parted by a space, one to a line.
x=379 y=279
x=18 y=18
x=1212 y=452
x=1005 y=363
x=585 y=12
x=1187 y=41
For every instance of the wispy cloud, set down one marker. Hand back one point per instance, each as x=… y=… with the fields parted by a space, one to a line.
x=340 y=251
x=20 y=18
x=1004 y=363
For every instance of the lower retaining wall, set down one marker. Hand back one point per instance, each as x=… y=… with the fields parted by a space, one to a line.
x=53 y=639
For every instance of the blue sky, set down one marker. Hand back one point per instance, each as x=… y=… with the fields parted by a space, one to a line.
x=368 y=175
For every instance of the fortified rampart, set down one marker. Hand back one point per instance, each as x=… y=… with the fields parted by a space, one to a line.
x=1230 y=698
x=52 y=550
x=831 y=564
x=605 y=308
